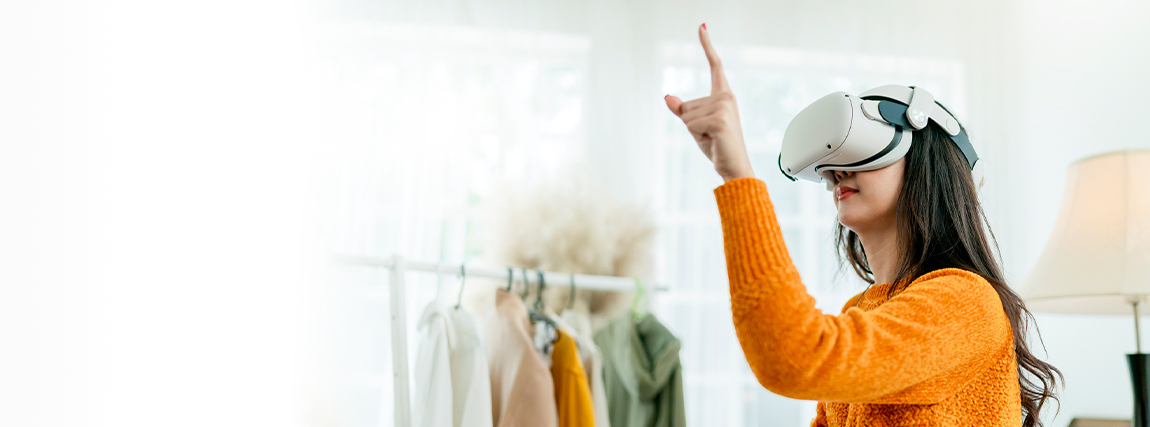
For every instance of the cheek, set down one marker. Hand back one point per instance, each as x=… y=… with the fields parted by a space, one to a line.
x=883 y=202
x=881 y=195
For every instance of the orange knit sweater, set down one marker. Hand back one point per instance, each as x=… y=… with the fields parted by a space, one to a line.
x=939 y=353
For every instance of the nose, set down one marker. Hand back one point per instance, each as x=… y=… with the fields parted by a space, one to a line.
x=839 y=175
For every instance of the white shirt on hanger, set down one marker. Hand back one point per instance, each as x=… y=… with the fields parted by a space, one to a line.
x=451 y=370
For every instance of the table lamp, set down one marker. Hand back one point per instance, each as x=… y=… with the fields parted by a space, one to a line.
x=1097 y=260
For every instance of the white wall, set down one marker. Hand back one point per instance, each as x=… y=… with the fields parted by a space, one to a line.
x=1079 y=81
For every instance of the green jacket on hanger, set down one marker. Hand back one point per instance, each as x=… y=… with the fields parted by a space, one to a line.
x=641 y=373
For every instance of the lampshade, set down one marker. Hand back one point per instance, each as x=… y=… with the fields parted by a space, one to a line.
x=1097 y=260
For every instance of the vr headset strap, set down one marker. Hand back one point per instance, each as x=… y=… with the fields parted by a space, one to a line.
x=895 y=114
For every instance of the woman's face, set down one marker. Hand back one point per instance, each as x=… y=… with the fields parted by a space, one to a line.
x=866 y=200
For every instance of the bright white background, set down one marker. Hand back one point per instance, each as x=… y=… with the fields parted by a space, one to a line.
x=171 y=173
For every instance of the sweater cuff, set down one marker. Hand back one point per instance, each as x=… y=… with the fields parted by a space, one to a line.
x=757 y=256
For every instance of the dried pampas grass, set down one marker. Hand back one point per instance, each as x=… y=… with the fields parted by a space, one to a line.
x=570 y=225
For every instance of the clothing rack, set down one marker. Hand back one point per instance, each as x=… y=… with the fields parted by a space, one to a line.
x=397 y=299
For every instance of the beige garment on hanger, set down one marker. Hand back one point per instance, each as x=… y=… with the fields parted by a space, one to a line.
x=522 y=392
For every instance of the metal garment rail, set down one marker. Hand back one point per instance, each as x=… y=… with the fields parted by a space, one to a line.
x=397 y=298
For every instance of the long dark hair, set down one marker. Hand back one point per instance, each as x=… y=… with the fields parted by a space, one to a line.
x=940 y=225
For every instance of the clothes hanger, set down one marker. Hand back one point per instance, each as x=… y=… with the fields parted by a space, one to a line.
x=539 y=295
x=636 y=312
x=526 y=286
x=536 y=313
x=510 y=277
x=462 y=281
x=571 y=299
x=571 y=306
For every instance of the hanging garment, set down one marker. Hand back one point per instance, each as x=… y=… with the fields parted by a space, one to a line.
x=580 y=326
x=543 y=341
x=643 y=377
x=451 y=371
x=572 y=392
x=433 y=370
x=522 y=392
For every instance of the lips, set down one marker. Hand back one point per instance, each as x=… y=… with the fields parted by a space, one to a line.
x=845 y=192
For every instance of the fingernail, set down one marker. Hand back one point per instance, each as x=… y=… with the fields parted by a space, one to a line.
x=704 y=26
x=665 y=96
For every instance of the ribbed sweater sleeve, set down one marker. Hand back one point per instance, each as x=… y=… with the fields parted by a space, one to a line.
x=942 y=325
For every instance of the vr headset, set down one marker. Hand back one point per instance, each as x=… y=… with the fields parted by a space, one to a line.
x=841 y=132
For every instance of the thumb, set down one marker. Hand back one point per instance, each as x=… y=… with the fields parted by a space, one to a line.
x=675 y=104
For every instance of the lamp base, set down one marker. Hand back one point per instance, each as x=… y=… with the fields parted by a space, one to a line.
x=1139 y=374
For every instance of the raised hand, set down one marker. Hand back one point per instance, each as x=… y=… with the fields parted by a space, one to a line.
x=714 y=120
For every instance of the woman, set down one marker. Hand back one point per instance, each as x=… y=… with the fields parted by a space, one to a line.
x=938 y=339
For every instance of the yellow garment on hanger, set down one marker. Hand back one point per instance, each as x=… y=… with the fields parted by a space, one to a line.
x=572 y=392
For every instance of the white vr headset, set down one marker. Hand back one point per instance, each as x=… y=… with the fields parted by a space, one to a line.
x=841 y=132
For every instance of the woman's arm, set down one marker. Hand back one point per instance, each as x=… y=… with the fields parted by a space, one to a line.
x=943 y=324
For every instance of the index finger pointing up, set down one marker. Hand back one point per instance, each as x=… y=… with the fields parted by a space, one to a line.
x=718 y=80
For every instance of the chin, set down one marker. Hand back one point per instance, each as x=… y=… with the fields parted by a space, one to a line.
x=858 y=219
x=849 y=221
